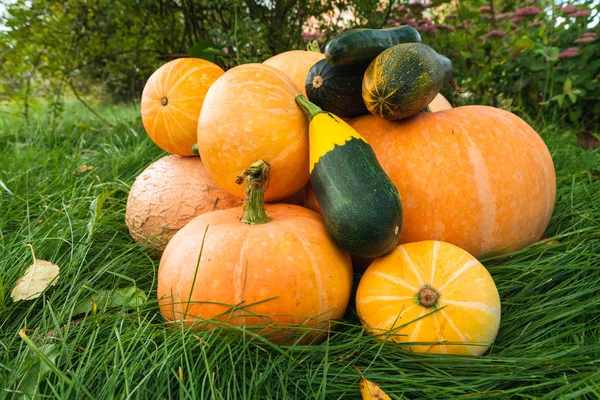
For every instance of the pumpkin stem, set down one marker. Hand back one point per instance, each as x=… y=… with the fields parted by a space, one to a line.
x=309 y=108
x=427 y=296
x=257 y=178
x=455 y=86
x=195 y=149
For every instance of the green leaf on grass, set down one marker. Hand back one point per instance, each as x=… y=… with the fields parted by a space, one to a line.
x=128 y=297
x=35 y=372
x=96 y=210
x=3 y=186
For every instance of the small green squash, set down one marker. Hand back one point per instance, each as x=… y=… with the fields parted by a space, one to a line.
x=337 y=89
x=404 y=79
x=359 y=46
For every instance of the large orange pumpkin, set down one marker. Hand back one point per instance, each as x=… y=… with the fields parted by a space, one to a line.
x=249 y=113
x=168 y=194
x=432 y=294
x=268 y=272
x=475 y=176
x=171 y=102
x=295 y=64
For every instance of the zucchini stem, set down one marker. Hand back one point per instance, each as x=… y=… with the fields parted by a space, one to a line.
x=310 y=109
x=257 y=179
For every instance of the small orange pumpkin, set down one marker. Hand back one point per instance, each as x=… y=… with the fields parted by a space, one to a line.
x=249 y=113
x=168 y=194
x=432 y=294
x=295 y=64
x=269 y=272
x=475 y=176
x=171 y=102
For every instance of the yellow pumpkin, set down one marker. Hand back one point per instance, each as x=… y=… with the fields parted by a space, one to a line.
x=295 y=64
x=249 y=113
x=171 y=102
x=434 y=296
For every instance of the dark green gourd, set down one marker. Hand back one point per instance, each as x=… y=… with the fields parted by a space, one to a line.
x=337 y=89
x=359 y=46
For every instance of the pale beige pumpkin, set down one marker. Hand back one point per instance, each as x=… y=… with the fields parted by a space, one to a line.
x=168 y=194
x=171 y=102
x=439 y=103
x=295 y=65
x=475 y=176
x=432 y=294
x=249 y=113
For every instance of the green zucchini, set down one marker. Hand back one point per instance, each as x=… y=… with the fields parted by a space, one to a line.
x=360 y=204
x=359 y=46
x=404 y=79
x=337 y=89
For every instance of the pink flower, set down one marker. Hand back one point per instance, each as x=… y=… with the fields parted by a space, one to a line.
x=484 y=9
x=569 y=53
x=392 y=22
x=451 y=16
x=399 y=7
x=495 y=32
x=416 y=4
x=428 y=5
x=587 y=37
x=517 y=18
x=312 y=34
x=446 y=27
x=528 y=11
x=504 y=15
x=537 y=22
x=410 y=22
x=580 y=13
x=568 y=9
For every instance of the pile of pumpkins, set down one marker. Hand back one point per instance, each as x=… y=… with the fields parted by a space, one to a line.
x=313 y=164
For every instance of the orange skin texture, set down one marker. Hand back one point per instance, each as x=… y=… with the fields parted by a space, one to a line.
x=290 y=260
x=184 y=83
x=168 y=194
x=248 y=114
x=475 y=176
x=439 y=103
x=467 y=313
x=295 y=65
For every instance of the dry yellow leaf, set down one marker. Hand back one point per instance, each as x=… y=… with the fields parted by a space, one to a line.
x=35 y=280
x=369 y=390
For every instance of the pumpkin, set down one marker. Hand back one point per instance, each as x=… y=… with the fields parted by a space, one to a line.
x=249 y=113
x=167 y=195
x=434 y=296
x=171 y=102
x=476 y=176
x=269 y=272
x=295 y=65
x=439 y=103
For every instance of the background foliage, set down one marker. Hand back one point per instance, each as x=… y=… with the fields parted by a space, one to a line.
x=528 y=55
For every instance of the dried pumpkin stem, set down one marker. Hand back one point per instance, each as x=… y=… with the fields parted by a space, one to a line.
x=310 y=109
x=427 y=296
x=454 y=86
x=257 y=179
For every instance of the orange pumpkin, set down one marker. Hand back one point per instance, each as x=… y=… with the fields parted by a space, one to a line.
x=249 y=113
x=171 y=102
x=268 y=272
x=432 y=294
x=475 y=176
x=168 y=194
x=439 y=103
x=295 y=64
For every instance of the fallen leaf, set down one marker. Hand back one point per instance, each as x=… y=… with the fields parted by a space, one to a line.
x=587 y=140
x=35 y=371
x=83 y=168
x=369 y=390
x=36 y=279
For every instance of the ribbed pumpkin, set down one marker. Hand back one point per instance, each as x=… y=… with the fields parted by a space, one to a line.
x=168 y=194
x=475 y=176
x=279 y=269
x=171 y=102
x=249 y=113
x=432 y=294
x=295 y=65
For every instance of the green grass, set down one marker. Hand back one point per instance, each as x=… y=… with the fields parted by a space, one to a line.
x=548 y=345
